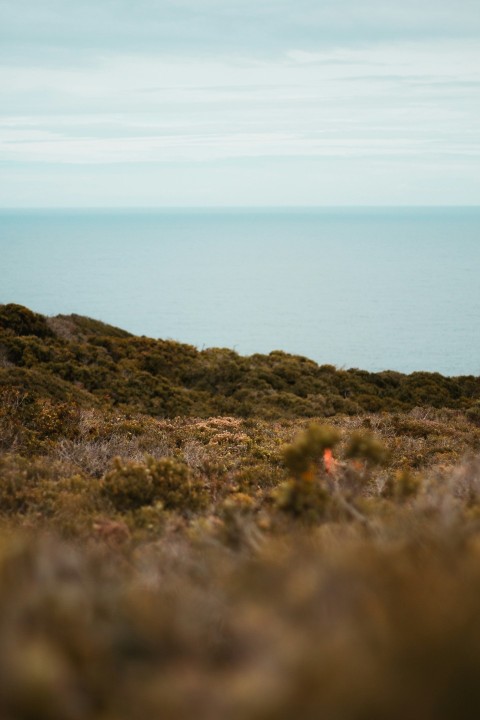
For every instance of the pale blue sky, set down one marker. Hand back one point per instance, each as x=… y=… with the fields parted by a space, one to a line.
x=229 y=102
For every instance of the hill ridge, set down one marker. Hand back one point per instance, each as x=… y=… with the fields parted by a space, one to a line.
x=75 y=358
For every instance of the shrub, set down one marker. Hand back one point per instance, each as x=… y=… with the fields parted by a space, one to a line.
x=304 y=495
x=40 y=486
x=473 y=413
x=301 y=456
x=401 y=486
x=251 y=477
x=33 y=423
x=131 y=485
x=22 y=321
x=303 y=498
x=365 y=446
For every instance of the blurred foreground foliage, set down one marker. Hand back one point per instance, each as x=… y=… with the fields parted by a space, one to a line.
x=190 y=534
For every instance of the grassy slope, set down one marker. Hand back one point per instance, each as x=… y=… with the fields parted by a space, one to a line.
x=172 y=545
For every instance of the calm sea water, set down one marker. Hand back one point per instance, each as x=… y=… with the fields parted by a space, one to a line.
x=373 y=289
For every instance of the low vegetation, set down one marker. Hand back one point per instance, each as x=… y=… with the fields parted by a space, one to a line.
x=70 y=358
x=199 y=534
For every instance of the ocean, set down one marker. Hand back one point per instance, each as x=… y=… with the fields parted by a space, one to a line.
x=368 y=288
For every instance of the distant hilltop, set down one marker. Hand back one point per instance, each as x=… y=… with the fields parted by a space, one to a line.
x=77 y=359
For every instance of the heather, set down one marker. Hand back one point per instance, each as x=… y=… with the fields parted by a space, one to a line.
x=198 y=534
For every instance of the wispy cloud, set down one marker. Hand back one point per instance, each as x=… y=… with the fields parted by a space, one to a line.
x=60 y=27
x=51 y=148
x=208 y=81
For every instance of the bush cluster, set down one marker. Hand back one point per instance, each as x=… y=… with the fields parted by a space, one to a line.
x=72 y=357
x=131 y=485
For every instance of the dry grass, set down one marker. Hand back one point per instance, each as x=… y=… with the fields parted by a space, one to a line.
x=363 y=607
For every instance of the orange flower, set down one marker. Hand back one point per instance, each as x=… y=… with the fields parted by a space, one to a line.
x=328 y=460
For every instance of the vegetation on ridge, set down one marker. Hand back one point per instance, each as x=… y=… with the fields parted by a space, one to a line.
x=65 y=357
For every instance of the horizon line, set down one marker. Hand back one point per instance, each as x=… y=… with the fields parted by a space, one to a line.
x=159 y=208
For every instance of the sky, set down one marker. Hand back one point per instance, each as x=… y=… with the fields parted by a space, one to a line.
x=161 y=103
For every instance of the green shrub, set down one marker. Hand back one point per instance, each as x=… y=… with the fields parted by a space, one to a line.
x=18 y=482
x=31 y=423
x=365 y=446
x=303 y=498
x=473 y=413
x=304 y=495
x=253 y=476
x=131 y=485
x=39 y=485
x=22 y=321
x=302 y=456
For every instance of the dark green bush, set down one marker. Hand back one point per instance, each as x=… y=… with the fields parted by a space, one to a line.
x=303 y=498
x=131 y=485
x=22 y=321
x=473 y=413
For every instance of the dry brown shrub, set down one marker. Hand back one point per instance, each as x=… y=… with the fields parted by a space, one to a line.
x=95 y=456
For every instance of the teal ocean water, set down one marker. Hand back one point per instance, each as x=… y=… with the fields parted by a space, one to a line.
x=371 y=288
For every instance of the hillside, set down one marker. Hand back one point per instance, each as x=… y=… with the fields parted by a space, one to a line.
x=76 y=358
x=195 y=534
